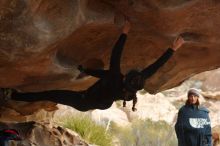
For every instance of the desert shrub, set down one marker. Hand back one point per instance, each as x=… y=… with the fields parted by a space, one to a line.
x=88 y=130
x=145 y=133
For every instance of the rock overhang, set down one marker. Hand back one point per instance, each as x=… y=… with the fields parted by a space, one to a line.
x=42 y=42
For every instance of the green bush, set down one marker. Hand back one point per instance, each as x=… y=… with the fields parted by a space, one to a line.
x=139 y=133
x=145 y=133
x=88 y=130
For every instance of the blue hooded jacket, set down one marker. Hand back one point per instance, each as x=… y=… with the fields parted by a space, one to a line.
x=193 y=126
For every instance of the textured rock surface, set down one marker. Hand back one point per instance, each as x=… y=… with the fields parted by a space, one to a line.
x=41 y=42
x=44 y=134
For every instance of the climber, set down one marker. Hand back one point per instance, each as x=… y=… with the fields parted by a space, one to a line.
x=111 y=86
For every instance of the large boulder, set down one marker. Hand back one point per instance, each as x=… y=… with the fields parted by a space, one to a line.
x=44 y=134
x=42 y=42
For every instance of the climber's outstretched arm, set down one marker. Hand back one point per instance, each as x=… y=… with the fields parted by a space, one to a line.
x=151 y=69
